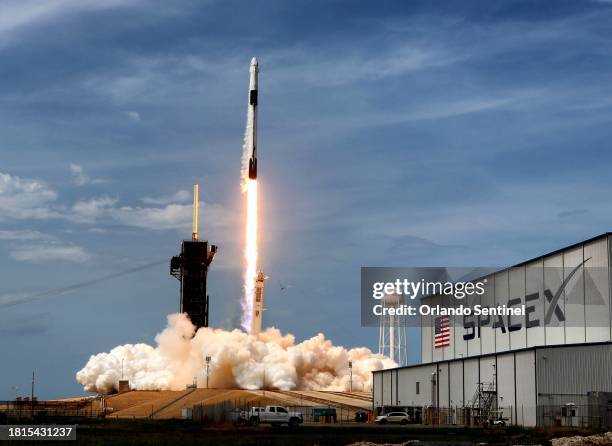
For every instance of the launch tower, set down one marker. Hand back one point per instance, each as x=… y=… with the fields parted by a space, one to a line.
x=190 y=267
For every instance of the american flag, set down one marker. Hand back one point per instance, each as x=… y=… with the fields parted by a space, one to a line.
x=442 y=332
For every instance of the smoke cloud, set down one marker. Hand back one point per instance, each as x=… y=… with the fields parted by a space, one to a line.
x=238 y=360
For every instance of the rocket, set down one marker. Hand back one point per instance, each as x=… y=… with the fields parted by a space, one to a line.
x=252 y=110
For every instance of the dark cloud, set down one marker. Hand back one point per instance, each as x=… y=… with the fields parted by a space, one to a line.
x=572 y=213
x=25 y=325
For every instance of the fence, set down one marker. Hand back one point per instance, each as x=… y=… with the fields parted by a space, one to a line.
x=594 y=416
x=28 y=409
x=461 y=416
x=226 y=412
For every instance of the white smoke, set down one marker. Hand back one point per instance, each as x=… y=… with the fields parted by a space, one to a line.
x=237 y=360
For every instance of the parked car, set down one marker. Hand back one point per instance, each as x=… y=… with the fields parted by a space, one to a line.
x=274 y=415
x=393 y=417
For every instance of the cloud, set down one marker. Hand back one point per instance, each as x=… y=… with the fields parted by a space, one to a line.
x=172 y=215
x=134 y=115
x=437 y=110
x=17 y=15
x=87 y=211
x=33 y=246
x=467 y=106
x=49 y=251
x=572 y=213
x=25 y=325
x=339 y=67
x=97 y=230
x=148 y=80
x=24 y=198
x=78 y=175
x=22 y=235
x=80 y=178
x=180 y=196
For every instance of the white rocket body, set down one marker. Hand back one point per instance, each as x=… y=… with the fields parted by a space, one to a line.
x=252 y=111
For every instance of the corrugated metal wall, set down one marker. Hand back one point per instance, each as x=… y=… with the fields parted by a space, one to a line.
x=456 y=383
x=597 y=309
x=540 y=376
x=585 y=304
x=574 y=370
x=471 y=373
x=525 y=412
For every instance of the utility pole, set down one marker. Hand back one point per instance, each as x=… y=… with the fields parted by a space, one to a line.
x=495 y=385
x=438 y=387
x=351 y=374
x=263 y=384
x=437 y=414
x=32 y=396
x=207 y=369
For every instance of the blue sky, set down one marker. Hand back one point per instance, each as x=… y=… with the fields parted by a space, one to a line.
x=392 y=133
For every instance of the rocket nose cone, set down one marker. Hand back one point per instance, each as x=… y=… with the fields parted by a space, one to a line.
x=254 y=61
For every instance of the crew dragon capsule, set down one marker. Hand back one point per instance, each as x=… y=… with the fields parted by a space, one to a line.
x=252 y=143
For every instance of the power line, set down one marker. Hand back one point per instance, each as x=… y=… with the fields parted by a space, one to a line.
x=76 y=286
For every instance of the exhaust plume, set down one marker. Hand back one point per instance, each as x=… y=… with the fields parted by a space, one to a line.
x=239 y=360
x=249 y=188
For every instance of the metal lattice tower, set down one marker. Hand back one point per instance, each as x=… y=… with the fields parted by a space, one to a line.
x=393 y=337
x=484 y=402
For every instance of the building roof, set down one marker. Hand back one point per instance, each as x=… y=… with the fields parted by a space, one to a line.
x=540 y=257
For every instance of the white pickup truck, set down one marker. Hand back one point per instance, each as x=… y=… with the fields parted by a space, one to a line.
x=274 y=415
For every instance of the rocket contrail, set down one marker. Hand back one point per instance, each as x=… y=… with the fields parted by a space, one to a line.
x=249 y=187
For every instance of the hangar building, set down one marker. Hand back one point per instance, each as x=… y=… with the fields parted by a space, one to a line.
x=552 y=366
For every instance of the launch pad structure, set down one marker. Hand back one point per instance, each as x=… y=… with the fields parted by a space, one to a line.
x=190 y=267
